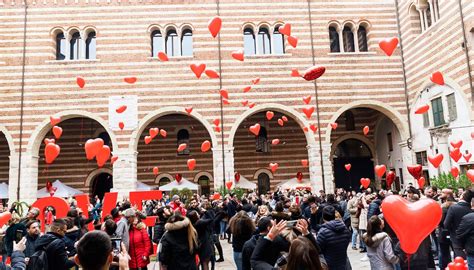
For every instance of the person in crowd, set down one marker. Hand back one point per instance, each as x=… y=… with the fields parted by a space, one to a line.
x=303 y=255
x=109 y=227
x=14 y=228
x=242 y=228
x=123 y=226
x=421 y=260
x=333 y=238
x=453 y=218
x=374 y=206
x=32 y=234
x=139 y=246
x=33 y=214
x=363 y=207
x=465 y=235
x=279 y=213
x=176 y=205
x=162 y=215
x=354 y=211
x=262 y=212
x=263 y=227
x=379 y=246
x=444 y=242
x=178 y=244
x=72 y=235
x=53 y=244
x=94 y=252
x=203 y=228
x=18 y=259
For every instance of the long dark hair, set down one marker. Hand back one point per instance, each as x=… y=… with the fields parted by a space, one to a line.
x=241 y=223
x=303 y=255
x=373 y=227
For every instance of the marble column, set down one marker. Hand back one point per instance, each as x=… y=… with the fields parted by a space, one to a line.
x=218 y=164
x=28 y=177
x=407 y=159
x=125 y=172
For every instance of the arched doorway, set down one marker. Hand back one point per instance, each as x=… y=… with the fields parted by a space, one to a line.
x=358 y=154
x=263 y=183
x=4 y=159
x=205 y=184
x=102 y=183
x=163 y=181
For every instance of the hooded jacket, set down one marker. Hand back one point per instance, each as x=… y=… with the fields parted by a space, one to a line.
x=55 y=249
x=333 y=239
x=381 y=255
x=175 y=253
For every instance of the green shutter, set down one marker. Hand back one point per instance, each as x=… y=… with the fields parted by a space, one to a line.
x=437 y=108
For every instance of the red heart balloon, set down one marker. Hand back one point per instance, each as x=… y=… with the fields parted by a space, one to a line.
x=121 y=109
x=388 y=45
x=247 y=88
x=273 y=167
x=224 y=93
x=212 y=74
x=293 y=41
x=455 y=154
x=5 y=217
x=313 y=127
x=412 y=222
x=228 y=185
x=456 y=144
x=49 y=185
x=421 y=182
x=308 y=111
x=472 y=135
x=307 y=99
x=304 y=162
x=437 y=77
x=295 y=73
x=163 y=133
x=333 y=126
x=256 y=80
x=305 y=129
x=57 y=131
x=365 y=130
x=365 y=182
x=130 y=80
x=237 y=177
x=217 y=129
x=148 y=139
x=178 y=177
x=280 y=122
x=225 y=101
x=154 y=132
x=422 y=109
x=255 y=129
x=238 y=55
x=467 y=157
x=470 y=175
x=156 y=171
x=92 y=147
x=163 y=56
x=275 y=141
x=103 y=155
x=113 y=159
x=285 y=29
x=54 y=120
x=313 y=73
x=216 y=122
x=205 y=146
x=270 y=115
x=191 y=164
x=348 y=167
x=80 y=82
x=189 y=109
x=245 y=102
x=214 y=26
x=390 y=177
x=299 y=176
x=454 y=171
x=380 y=170
x=216 y=196
x=198 y=69
x=121 y=125
x=436 y=160
x=415 y=170
x=181 y=147
x=51 y=152
x=46 y=141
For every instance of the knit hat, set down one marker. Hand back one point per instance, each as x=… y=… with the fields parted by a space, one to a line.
x=174 y=198
x=329 y=213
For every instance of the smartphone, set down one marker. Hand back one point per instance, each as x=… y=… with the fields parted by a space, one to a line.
x=291 y=223
x=116 y=247
x=18 y=235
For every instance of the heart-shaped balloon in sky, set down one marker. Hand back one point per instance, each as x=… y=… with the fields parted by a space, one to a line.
x=256 y=80
x=380 y=170
x=163 y=133
x=130 y=80
x=422 y=109
x=284 y=118
x=285 y=29
x=191 y=164
x=304 y=162
x=305 y=129
x=247 y=88
x=197 y=69
x=365 y=182
x=217 y=129
x=154 y=132
x=415 y=170
x=255 y=129
x=92 y=147
x=162 y=56
x=156 y=171
x=333 y=126
x=273 y=167
x=308 y=111
x=467 y=157
x=181 y=147
x=389 y=178
x=307 y=99
x=216 y=122
x=121 y=109
x=189 y=109
x=454 y=171
x=245 y=102
x=205 y=146
x=212 y=74
x=293 y=41
x=148 y=139
x=57 y=131
x=225 y=101
x=456 y=144
x=5 y=217
x=103 y=155
x=314 y=73
x=366 y=130
x=224 y=93
x=178 y=177
x=412 y=222
x=54 y=120
x=269 y=115
x=238 y=55
x=46 y=141
x=214 y=26
x=436 y=159
x=51 y=152
x=113 y=159
x=455 y=154
x=313 y=127
x=228 y=185
x=80 y=82
x=348 y=166
x=421 y=182
x=437 y=77
x=295 y=73
x=280 y=122
x=470 y=175
x=275 y=141
x=388 y=45
x=121 y=125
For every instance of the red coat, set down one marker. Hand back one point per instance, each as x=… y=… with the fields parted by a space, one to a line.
x=139 y=246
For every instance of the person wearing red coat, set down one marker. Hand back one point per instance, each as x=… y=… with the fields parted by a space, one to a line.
x=139 y=246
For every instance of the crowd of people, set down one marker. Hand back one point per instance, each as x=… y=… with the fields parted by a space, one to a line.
x=292 y=230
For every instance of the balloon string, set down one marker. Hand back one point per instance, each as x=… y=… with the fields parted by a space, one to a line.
x=408 y=260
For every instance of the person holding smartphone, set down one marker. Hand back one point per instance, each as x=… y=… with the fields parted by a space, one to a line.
x=14 y=233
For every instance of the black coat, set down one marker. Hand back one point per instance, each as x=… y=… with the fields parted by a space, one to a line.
x=158 y=231
x=30 y=245
x=175 y=250
x=10 y=236
x=55 y=251
x=247 y=251
x=465 y=233
x=453 y=218
x=333 y=239
x=374 y=208
x=204 y=230
x=418 y=261
x=71 y=237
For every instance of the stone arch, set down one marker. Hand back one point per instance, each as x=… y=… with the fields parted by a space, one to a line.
x=96 y=172
x=302 y=122
x=153 y=27
x=43 y=128
x=203 y=173
x=359 y=137
x=396 y=117
x=150 y=117
x=259 y=171
x=9 y=138
x=163 y=175
x=248 y=24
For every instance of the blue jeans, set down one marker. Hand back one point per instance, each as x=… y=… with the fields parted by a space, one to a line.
x=238 y=260
x=470 y=262
x=354 y=237
x=223 y=227
x=362 y=244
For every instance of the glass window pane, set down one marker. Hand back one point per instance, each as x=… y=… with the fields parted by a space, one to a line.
x=249 y=42
x=61 y=47
x=156 y=43
x=172 y=43
x=278 y=42
x=348 y=37
x=362 y=36
x=75 y=46
x=91 y=46
x=187 y=43
x=452 y=109
x=334 y=40
x=263 y=41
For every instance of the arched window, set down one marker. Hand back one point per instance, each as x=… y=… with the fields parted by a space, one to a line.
x=429 y=20
x=362 y=36
x=75 y=46
x=172 y=43
x=415 y=20
x=249 y=42
x=334 y=39
x=163 y=181
x=348 y=38
x=90 y=46
x=261 y=142
x=205 y=185
x=61 y=47
x=264 y=46
x=187 y=43
x=156 y=43
x=278 y=41
x=263 y=183
x=183 y=137
x=349 y=117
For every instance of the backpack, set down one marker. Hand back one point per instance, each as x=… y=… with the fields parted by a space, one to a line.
x=39 y=259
